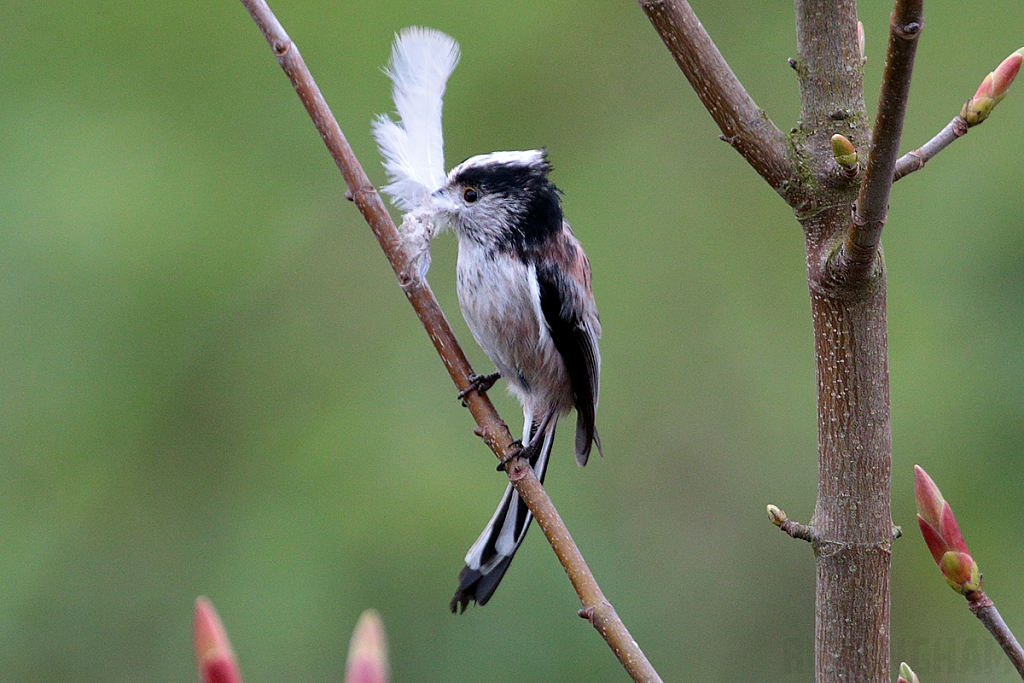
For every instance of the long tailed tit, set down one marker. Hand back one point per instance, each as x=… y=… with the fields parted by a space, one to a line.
x=524 y=290
x=523 y=280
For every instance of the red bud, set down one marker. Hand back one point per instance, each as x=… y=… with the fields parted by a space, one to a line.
x=929 y=498
x=214 y=656
x=942 y=535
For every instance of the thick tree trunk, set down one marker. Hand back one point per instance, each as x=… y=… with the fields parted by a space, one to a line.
x=852 y=521
x=842 y=211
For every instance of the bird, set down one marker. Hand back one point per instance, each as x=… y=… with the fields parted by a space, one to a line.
x=523 y=279
x=524 y=287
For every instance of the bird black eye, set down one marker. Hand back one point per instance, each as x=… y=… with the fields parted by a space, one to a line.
x=470 y=195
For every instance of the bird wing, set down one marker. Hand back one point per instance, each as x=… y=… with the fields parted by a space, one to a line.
x=567 y=302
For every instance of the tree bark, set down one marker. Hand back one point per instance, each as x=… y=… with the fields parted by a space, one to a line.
x=852 y=518
x=852 y=522
x=851 y=531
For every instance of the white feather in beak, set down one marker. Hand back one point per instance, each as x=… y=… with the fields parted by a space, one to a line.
x=422 y=59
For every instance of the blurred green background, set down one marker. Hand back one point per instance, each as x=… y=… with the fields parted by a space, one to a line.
x=211 y=383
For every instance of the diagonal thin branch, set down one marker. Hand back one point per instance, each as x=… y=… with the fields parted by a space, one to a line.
x=872 y=206
x=983 y=608
x=491 y=427
x=743 y=124
x=916 y=159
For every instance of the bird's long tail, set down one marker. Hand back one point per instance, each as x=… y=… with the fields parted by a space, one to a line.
x=489 y=558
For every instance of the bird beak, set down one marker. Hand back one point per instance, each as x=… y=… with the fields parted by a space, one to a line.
x=441 y=201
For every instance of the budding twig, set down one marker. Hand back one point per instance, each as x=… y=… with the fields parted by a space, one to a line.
x=491 y=427
x=778 y=517
x=975 y=111
x=946 y=543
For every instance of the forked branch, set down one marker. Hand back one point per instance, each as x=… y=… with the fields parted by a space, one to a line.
x=492 y=429
x=743 y=124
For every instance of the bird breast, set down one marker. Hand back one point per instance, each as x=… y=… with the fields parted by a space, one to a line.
x=500 y=300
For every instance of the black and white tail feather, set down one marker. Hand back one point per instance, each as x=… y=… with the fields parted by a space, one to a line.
x=523 y=279
x=489 y=557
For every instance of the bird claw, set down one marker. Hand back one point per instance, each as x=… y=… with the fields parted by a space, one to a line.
x=478 y=383
x=516 y=449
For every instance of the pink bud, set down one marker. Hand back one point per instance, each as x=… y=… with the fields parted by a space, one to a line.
x=368 y=651
x=929 y=498
x=992 y=90
x=942 y=535
x=214 y=656
x=1002 y=77
x=936 y=545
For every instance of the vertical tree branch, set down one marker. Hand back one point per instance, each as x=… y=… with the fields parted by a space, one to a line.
x=743 y=124
x=852 y=530
x=491 y=427
x=852 y=524
x=872 y=206
x=852 y=516
x=829 y=69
